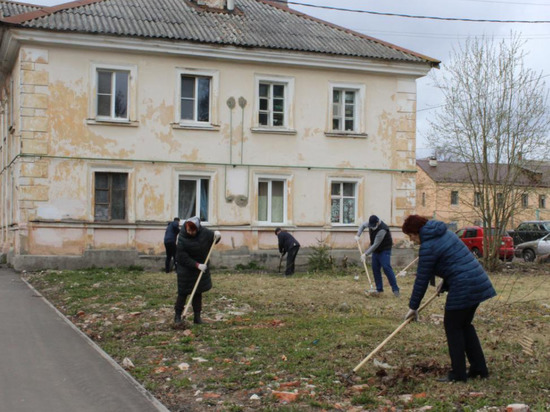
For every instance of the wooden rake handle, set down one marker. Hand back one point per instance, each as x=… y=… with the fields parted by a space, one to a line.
x=198 y=279
x=364 y=264
x=395 y=332
x=410 y=264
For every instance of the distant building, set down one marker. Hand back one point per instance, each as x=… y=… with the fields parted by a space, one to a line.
x=444 y=192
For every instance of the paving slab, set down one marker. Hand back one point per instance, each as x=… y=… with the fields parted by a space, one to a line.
x=48 y=365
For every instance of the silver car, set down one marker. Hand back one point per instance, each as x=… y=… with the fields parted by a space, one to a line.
x=530 y=250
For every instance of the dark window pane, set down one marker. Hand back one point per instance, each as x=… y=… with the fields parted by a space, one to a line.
x=102 y=196
x=262 y=119
x=104 y=105
x=278 y=105
x=349 y=189
x=349 y=125
x=119 y=181
x=335 y=124
x=187 y=86
x=121 y=94
x=101 y=212
x=187 y=109
x=203 y=109
x=349 y=110
x=118 y=208
x=264 y=90
x=278 y=90
x=336 y=96
x=101 y=181
x=104 y=82
x=204 y=200
x=264 y=105
x=335 y=189
x=278 y=119
x=350 y=97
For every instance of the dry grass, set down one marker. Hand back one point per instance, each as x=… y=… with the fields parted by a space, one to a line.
x=267 y=334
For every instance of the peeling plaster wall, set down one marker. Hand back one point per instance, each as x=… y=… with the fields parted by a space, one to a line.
x=63 y=146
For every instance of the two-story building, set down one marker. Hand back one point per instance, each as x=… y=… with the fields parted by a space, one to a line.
x=119 y=115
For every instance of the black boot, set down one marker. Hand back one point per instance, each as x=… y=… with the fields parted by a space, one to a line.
x=178 y=308
x=177 y=318
x=197 y=318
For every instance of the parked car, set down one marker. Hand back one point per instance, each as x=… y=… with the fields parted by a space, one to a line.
x=530 y=250
x=472 y=237
x=530 y=230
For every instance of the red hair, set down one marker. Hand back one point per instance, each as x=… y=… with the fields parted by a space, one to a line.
x=190 y=226
x=413 y=224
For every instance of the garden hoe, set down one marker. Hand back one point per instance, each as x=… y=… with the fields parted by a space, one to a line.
x=280 y=263
x=371 y=290
x=348 y=377
x=183 y=323
x=404 y=271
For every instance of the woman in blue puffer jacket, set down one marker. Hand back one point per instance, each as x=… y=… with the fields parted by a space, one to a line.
x=444 y=255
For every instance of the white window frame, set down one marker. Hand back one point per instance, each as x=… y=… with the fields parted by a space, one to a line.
x=356 y=182
x=214 y=76
x=131 y=109
x=193 y=175
x=359 y=108
x=457 y=198
x=288 y=83
x=270 y=178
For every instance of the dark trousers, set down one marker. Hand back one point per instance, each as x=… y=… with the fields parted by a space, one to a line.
x=463 y=342
x=170 y=254
x=382 y=260
x=290 y=258
x=196 y=303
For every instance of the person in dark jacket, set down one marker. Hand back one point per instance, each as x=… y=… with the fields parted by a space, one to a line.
x=194 y=243
x=380 y=247
x=444 y=255
x=289 y=246
x=170 y=236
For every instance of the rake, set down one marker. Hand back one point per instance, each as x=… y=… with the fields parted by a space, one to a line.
x=404 y=271
x=372 y=289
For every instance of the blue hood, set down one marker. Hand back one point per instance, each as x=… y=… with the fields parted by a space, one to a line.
x=432 y=229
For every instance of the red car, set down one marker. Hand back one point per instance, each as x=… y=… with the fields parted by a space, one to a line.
x=472 y=237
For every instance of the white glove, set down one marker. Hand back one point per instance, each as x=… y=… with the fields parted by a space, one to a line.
x=357 y=238
x=217 y=235
x=363 y=258
x=202 y=267
x=412 y=314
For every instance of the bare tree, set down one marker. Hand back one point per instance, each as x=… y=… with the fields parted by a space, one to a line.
x=496 y=120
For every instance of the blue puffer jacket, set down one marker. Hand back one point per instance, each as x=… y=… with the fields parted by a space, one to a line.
x=443 y=254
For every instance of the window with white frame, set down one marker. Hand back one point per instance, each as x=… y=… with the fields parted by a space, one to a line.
x=542 y=201
x=524 y=200
x=271 y=200
x=274 y=95
x=194 y=197
x=110 y=191
x=112 y=94
x=478 y=199
x=343 y=202
x=195 y=98
x=346 y=111
x=454 y=197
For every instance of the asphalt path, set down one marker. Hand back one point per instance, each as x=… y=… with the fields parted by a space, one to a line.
x=48 y=365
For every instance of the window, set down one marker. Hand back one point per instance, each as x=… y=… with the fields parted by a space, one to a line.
x=423 y=198
x=271 y=97
x=500 y=199
x=110 y=196
x=273 y=104
x=478 y=199
x=112 y=93
x=454 y=197
x=195 y=98
x=542 y=201
x=525 y=200
x=193 y=198
x=271 y=200
x=343 y=202
x=344 y=110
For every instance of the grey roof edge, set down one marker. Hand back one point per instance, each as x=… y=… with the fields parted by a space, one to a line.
x=433 y=62
x=46 y=11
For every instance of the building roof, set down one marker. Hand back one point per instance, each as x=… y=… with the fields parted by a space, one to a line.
x=253 y=24
x=12 y=8
x=533 y=173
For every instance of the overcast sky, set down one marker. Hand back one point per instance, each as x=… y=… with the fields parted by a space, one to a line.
x=436 y=38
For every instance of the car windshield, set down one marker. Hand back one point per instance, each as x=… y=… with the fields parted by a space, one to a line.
x=546 y=225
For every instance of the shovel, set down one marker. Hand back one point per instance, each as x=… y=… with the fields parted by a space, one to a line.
x=395 y=332
x=198 y=281
x=280 y=263
x=404 y=271
x=371 y=290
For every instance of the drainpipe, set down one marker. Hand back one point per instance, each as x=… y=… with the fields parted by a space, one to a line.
x=231 y=105
x=242 y=105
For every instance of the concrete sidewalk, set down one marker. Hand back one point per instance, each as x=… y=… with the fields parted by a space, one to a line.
x=48 y=365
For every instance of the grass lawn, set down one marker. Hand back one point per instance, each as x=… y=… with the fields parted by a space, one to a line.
x=269 y=337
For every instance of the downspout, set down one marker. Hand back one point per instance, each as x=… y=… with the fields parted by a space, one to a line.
x=231 y=104
x=242 y=105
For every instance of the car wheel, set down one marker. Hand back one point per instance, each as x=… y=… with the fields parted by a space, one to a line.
x=476 y=252
x=528 y=255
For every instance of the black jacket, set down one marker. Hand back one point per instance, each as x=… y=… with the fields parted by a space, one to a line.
x=387 y=242
x=286 y=242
